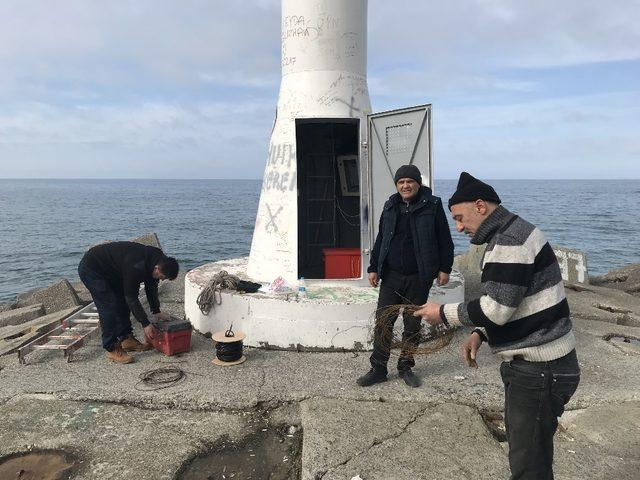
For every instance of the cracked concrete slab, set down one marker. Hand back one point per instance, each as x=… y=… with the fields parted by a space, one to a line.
x=626 y=278
x=113 y=441
x=21 y=315
x=276 y=381
x=599 y=442
x=337 y=431
x=445 y=441
x=604 y=305
x=56 y=297
x=608 y=375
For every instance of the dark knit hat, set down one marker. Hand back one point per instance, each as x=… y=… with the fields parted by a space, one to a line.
x=471 y=189
x=408 y=171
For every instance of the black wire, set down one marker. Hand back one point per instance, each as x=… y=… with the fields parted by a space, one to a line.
x=229 y=352
x=159 y=378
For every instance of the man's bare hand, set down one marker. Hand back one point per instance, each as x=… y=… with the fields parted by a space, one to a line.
x=443 y=279
x=469 y=349
x=430 y=313
x=148 y=331
x=373 y=279
x=161 y=317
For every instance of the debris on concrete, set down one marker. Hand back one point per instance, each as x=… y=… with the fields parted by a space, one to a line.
x=56 y=297
x=263 y=453
x=21 y=315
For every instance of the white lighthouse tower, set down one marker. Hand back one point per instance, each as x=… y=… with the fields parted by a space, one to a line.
x=305 y=203
x=329 y=171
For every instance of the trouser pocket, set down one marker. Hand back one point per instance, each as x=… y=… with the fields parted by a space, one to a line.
x=563 y=386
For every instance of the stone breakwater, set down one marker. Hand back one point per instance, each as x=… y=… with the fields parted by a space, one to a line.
x=93 y=411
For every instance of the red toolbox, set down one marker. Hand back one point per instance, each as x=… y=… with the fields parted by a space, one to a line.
x=341 y=262
x=171 y=337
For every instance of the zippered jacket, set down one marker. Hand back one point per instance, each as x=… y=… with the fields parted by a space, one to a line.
x=430 y=232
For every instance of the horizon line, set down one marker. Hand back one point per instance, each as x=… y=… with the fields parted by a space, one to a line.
x=257 y=179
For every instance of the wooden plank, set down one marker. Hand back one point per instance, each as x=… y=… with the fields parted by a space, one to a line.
x=15 y=336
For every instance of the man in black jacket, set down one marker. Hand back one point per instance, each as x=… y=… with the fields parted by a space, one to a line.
x=413 y=247
x=113 y=272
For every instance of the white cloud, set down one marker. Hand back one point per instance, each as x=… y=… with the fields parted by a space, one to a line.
x=504 y=33
x=110 y=88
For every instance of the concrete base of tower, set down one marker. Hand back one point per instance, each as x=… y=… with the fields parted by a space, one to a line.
x=335 y=315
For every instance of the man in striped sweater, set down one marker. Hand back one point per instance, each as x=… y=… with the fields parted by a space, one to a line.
x=524 y=316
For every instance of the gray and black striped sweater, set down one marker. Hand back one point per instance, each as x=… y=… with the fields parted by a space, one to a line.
x=523 y=309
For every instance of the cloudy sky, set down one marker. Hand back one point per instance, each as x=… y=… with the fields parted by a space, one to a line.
x=188 y=89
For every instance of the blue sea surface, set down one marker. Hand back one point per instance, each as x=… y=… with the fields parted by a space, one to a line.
x=47 y=225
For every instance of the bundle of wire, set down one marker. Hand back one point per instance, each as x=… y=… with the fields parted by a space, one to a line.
x=433 y=340
x=229 y=352
x=159 y=378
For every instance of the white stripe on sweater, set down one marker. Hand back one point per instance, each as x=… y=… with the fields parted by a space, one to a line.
x=495 y=311
x=540 y=301
x=524 y=254
x=546 y=352
x=501 y=314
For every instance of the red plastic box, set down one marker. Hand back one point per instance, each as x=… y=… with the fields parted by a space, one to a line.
x=341 y=262
x=171 y=337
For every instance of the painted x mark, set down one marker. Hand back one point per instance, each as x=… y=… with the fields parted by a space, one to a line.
x=272 y=218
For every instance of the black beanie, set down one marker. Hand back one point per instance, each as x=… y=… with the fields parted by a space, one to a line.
x=408 y=171
x=470 y=189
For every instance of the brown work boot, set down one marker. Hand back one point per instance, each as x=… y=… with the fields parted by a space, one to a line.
x=131 y=344
x=118 y=355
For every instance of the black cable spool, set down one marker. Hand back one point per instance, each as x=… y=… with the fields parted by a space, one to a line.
x=229 y=347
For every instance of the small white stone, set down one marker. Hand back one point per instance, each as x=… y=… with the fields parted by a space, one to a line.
x=460 y=377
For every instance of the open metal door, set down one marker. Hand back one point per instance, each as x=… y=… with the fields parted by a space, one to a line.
x=396 y=138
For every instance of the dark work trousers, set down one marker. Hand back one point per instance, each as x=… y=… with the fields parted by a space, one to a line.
x=535 y=396
x=395 y=289
x=112 y=308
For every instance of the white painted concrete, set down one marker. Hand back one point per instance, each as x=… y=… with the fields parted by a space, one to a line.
x=335 y=315
x=324 y=63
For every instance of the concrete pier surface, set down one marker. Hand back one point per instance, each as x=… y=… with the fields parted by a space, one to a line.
x=100 y=414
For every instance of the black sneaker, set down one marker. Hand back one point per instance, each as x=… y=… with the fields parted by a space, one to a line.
x=410 y=378
x=372 y=377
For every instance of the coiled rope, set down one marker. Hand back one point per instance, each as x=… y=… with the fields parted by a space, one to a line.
x=211 y=296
